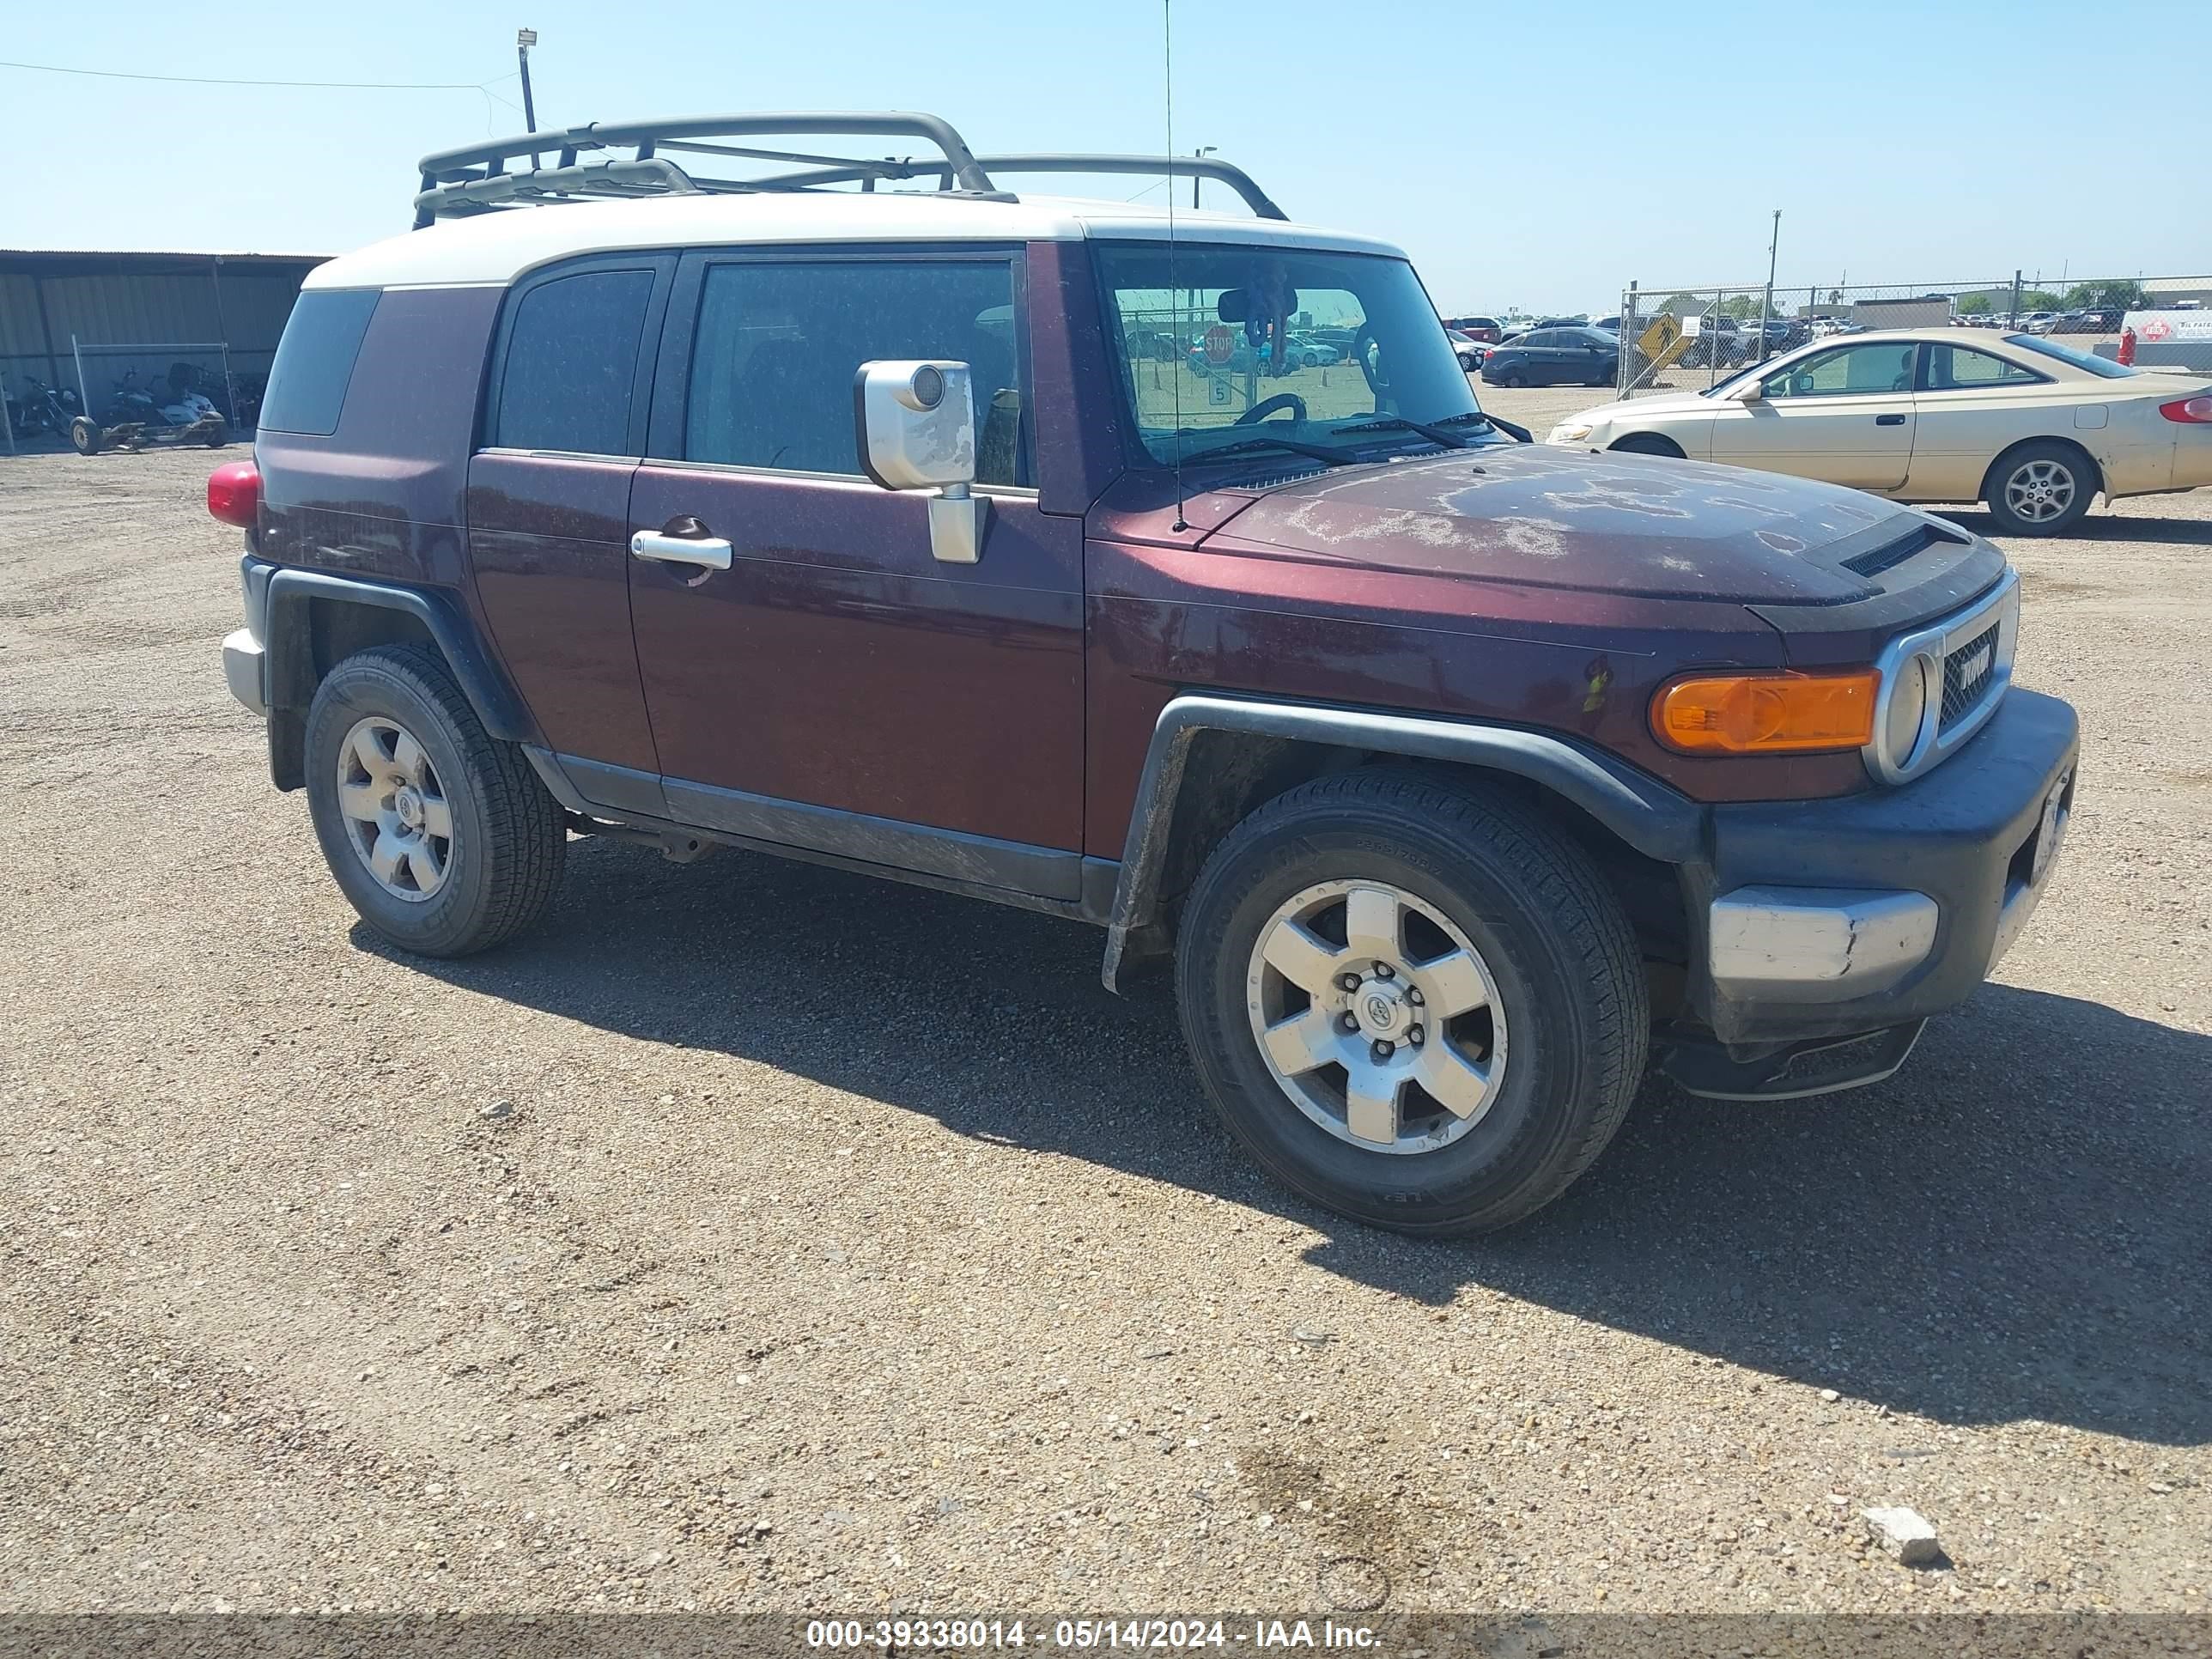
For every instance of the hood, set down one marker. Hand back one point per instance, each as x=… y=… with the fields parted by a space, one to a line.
x=1534 y=515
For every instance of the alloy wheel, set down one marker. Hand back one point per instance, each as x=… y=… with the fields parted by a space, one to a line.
x=1376 y=1017
x=2039 y=491
x=398 y=819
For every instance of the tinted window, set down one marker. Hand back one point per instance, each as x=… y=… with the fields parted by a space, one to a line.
x=778 y=346
x=1957 y=368
x=2088 y=360
x=1854 y=370
x=1542 y=337
x=571 y=361
x=314 y=360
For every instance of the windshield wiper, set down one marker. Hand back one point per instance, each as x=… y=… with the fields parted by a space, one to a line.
x=1293 y=446
x=1435 y=433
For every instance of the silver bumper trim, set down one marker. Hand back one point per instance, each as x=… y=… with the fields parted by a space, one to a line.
x=241 y=667
x=1815 y=943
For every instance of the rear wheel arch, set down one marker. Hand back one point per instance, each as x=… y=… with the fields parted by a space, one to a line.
x=2011 y=452
x=1648 y=443
x=315 y=621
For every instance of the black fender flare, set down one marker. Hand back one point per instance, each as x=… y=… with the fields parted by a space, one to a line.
x=1646 y=815
x=287 y=638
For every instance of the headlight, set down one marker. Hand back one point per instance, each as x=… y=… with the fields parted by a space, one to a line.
x=1908 y=709
x=1571 y=432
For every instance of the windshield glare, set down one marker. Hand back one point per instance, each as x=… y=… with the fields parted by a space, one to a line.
x=1310 y=341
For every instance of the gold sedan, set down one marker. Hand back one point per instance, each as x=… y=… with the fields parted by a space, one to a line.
x=2031 y=427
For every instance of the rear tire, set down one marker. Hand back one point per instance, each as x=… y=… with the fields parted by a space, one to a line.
x=84 y=435
x=394 y=752
x=1515 y=379
x=1555 y=1032
x=2040 y=488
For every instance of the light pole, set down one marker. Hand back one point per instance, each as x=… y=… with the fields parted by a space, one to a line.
x=1767 y=299
x=1200 y=154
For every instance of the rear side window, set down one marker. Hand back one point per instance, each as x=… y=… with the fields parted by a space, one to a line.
x=571 y=362
x=314 y=360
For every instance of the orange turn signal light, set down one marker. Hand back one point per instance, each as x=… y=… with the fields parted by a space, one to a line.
x=1767 y=714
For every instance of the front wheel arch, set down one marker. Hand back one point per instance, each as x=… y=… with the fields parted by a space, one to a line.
x=1648 y=443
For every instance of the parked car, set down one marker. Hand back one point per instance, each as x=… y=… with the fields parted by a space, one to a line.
x=1487 y=329
x=2031 y=427
x=1470 y=352
x=1310 y=351
x=1579 y=355
x=1449 y=799
x=2039 y=322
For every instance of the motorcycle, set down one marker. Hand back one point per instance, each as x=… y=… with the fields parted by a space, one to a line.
x=42 y=408
x=134 y=417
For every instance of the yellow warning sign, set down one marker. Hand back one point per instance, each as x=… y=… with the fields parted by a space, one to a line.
x=1663 y=342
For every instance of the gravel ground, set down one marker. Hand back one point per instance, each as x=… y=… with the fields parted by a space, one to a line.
x=590 y=1273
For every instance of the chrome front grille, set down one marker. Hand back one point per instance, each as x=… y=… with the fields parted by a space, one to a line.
x=1966 y=672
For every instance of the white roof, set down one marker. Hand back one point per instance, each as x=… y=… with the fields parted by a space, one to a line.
x=495 y=248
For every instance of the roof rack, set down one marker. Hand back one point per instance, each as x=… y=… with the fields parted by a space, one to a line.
x=479 y=178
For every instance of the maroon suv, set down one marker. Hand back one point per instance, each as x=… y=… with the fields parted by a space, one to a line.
x=1456 y=776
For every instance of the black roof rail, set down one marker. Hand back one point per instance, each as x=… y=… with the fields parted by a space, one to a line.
x=478 y=178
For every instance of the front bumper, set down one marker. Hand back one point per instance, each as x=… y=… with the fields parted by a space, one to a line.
x=1832 y=918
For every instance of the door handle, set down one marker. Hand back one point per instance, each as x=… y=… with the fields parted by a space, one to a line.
x=1889 y=420
x=710 y=552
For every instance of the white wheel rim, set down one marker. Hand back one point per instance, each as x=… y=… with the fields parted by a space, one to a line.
x=394 y=810
x=1376 y=1017
x=2039 y=491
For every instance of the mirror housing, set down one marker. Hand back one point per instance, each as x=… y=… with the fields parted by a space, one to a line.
x=1752 y=391
x=914 y=425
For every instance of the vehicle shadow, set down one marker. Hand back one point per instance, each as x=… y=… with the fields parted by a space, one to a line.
x=2013 y=1227
x=2098 y=526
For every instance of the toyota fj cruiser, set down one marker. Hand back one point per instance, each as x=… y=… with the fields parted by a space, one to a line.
x=991 y=543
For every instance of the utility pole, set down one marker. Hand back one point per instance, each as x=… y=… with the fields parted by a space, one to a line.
x=1767 y=299
x=1199 y=154
x=524 y=40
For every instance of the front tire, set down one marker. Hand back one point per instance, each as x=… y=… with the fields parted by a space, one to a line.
x=2040 y=489
x=443 y=840
x=84 y=435
x=1413 y=1003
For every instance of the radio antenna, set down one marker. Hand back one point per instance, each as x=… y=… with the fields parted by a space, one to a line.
x=1174 y=293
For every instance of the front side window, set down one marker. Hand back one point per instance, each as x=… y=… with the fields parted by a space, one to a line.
x=1847 y=370
x=1959 y=368
x=778 y=346
x=1203 y=335
x=571 y=363
x=315 y=358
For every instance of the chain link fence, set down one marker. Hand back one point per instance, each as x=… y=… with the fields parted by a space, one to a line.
x=1691 y=338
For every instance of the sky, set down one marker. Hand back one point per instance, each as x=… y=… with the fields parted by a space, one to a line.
x=1536 y=157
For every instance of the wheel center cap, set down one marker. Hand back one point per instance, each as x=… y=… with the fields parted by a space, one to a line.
x=1382 y=1010
x=409 y=805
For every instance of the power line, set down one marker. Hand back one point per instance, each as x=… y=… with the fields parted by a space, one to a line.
x=221 y=81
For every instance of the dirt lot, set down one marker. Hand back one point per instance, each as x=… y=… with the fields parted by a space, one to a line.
x=596 y=1273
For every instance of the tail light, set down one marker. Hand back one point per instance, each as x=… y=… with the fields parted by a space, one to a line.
x=234 y=494
x=2190 y=412
x=2127 y=346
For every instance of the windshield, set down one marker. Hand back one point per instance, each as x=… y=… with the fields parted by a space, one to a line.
x=2088 y=360
x=1220 y=345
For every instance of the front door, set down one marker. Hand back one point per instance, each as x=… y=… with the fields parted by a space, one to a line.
x=836 y=686
x=1845 y=415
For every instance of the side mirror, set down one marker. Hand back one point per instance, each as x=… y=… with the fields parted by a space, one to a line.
x=915 y=429
x=1752 y=391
